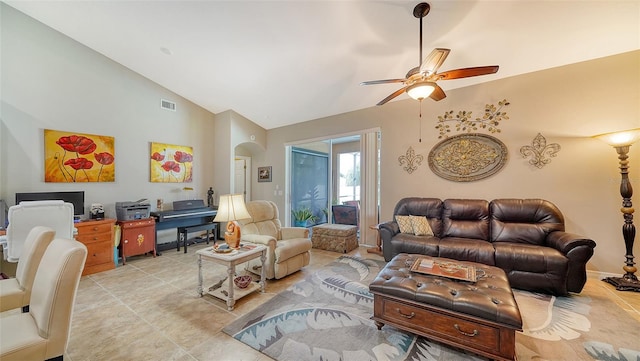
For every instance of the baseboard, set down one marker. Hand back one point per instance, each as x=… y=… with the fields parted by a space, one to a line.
x=601 y=275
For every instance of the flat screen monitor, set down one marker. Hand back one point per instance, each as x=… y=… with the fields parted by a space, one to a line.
x=76 y=198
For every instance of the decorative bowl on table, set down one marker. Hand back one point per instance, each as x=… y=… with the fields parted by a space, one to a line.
x=222 y=248
x=242 y=281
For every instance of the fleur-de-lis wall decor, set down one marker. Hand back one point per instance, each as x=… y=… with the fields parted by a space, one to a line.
x=539 y=150
x=411 y=159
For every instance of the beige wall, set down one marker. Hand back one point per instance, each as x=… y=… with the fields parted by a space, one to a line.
x=49 y=81
x=566 y=105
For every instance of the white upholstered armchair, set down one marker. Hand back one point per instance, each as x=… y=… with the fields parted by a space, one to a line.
x=43 y=332
x=26 y=215
x=287 y=247
x=16 y=292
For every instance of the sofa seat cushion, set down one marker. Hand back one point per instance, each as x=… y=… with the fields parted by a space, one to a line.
x=467 y=249
x=531 y=267
x=409 y=243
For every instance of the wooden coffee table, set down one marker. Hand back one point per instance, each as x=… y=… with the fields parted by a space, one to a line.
x=226 y=290
x=480 y=316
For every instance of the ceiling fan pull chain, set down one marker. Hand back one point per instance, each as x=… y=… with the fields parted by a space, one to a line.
x=420 y=121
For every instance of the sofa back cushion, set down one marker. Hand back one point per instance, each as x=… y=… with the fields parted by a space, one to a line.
x=426 y=207
x=264 y=219
x=524 y=220
x=466 y=218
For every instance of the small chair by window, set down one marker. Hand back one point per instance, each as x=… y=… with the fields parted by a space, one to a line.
x=345 y=214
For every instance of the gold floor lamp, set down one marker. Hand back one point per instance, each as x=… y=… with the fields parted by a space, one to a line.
x=621 y=141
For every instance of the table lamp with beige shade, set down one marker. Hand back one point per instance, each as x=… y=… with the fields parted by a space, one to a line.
x=230 y=209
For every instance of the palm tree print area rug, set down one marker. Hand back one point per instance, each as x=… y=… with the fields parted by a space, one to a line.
x=327 y=317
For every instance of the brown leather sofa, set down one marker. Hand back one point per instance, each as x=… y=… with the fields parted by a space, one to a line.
x=524 y=237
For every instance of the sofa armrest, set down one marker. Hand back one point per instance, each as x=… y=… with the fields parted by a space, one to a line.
x=564 y=242
x=578 y=250
x=387 y=231
x=294 y=232
x=268 y=241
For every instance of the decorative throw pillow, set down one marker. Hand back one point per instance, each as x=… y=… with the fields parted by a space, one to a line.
x=404 y=222
x=421 y=226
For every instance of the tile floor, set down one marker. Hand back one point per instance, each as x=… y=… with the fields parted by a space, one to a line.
x=149 y=310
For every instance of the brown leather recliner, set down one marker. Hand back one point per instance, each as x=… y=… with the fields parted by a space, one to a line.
x=524 y=237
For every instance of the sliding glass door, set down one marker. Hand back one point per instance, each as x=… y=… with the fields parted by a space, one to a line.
x=342 y=170
x=309 y=186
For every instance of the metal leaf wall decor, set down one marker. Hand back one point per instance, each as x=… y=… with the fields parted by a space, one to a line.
x=540 y=151
x=411 y=159
x=489 y=121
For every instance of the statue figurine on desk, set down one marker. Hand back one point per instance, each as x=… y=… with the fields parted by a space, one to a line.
x=210 y=197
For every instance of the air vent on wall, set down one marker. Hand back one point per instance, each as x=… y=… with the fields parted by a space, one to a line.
x=168 y=105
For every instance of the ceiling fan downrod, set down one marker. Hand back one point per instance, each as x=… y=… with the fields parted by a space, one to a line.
x=420 y=11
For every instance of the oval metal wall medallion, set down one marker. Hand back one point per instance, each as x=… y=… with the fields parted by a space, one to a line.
x=468 y=157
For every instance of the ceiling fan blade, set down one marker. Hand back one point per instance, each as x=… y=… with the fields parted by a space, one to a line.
x=467 y=72
x=384 y=81
x=392 y=95
x=438 y=93
x=433 y=61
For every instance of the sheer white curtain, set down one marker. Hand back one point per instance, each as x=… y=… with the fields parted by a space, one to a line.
x=369 y=194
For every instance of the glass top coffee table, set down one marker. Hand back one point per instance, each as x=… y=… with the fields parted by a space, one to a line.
x=226 y=290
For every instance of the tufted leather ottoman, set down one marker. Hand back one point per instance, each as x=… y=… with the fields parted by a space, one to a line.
x=479 y=316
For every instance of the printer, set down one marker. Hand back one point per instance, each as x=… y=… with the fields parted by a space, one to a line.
x=127 y=211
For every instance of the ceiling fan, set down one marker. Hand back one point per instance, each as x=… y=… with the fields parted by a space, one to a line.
x=420 y=82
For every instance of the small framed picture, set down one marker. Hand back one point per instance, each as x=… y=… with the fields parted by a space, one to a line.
x=264 y=174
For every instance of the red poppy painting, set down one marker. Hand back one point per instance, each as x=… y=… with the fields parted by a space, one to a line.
x=75 y=157
x=171 y=163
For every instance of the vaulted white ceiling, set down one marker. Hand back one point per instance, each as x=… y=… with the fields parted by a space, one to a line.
x=284 y=62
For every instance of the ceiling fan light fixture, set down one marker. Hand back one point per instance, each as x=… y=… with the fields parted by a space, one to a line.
x=421 y=90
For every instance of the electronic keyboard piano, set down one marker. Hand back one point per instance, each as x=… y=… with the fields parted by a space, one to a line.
x=187 y=216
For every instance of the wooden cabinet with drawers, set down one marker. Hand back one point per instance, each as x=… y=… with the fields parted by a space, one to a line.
x=485 y=337
x=138 y=237
x=97 y=235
